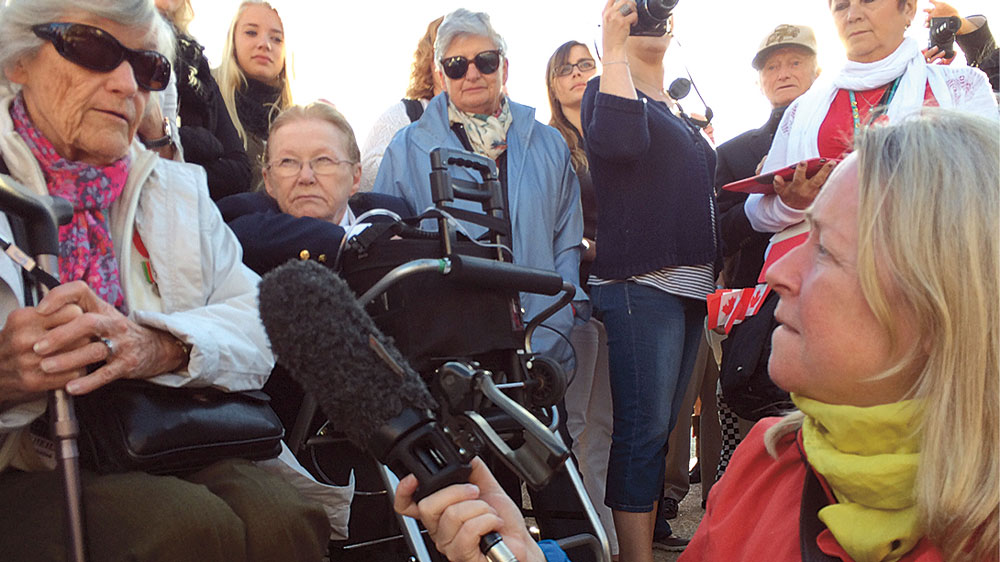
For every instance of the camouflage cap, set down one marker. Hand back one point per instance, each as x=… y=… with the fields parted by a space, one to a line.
x=785 y=35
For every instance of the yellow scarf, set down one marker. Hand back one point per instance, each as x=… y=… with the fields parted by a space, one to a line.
x=869 y=457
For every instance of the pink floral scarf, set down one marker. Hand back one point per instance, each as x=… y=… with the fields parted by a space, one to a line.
x=86 y=251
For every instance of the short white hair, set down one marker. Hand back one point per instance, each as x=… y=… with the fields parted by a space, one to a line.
x=463 y=22
x=17 y=18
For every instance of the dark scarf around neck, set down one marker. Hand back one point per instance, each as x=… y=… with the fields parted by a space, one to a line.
x=253 y=105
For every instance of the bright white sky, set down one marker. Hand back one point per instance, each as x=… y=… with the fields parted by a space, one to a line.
x=357 y=54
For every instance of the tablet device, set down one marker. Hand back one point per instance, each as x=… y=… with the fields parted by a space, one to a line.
x=764 y=183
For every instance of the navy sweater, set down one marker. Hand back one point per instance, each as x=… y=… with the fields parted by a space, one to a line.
x=653 y=174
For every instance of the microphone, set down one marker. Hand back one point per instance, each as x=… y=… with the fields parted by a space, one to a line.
x=331 y=347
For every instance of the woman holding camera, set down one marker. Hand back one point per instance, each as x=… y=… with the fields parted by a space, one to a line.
x=653 y=172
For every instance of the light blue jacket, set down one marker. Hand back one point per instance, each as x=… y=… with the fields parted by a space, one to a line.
x=544 y=194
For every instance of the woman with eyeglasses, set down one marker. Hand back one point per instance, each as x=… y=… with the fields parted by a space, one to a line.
x=588 y=396
x=207 y=134
x=310 y=199
x=151 y=288
x=254 y=76
x=656 y=262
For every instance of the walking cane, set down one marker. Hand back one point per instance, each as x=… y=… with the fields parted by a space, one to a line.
x=42 y=216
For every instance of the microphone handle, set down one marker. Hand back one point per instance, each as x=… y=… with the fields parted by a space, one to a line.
x=492 y=546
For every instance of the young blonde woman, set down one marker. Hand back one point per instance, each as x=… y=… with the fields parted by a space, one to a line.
x=254 y=76
x=207 y=133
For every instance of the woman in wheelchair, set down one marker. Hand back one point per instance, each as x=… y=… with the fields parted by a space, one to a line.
x=312 y=172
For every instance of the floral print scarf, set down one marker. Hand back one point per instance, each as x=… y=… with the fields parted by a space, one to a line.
x=487 y=133
x=86 y=251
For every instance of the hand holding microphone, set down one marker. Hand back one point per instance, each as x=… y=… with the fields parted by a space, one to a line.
x=457 y=516
x=330 y=345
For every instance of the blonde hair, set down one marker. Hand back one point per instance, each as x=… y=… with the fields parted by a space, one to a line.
x=231 y=77
x=182 y=16
x=928 y=234
x=558 y=120
x=316 y=111
x=421 y=85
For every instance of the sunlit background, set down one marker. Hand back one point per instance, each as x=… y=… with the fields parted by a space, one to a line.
x=358 y=54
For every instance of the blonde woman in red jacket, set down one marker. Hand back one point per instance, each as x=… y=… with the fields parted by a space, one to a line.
x=888 y=344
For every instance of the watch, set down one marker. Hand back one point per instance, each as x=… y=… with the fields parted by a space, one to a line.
x=165 y=140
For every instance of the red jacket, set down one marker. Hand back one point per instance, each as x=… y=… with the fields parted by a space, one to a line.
x=753 y=511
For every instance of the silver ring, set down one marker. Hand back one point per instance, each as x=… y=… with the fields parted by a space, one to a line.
x=625 y=10
x=111 y=347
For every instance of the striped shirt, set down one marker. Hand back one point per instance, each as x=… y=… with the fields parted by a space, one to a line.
x=691 y=281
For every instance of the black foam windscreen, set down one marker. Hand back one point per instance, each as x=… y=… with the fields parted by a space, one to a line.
x=323 y=336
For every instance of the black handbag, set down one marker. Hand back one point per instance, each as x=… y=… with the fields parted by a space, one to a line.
x=133 y=425
x=743 y=375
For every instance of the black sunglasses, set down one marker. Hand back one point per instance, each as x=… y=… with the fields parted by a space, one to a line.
x=487 y=62
x=96 y=49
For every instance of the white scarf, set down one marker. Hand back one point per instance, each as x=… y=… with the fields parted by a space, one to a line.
x=797 y=137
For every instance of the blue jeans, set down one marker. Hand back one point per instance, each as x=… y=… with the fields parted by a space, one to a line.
x=653 y=339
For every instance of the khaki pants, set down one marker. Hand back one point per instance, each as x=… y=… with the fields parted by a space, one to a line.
x=231 y=511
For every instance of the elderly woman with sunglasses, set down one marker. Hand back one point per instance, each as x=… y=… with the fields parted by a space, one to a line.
x=152 y=288
x=540 y=187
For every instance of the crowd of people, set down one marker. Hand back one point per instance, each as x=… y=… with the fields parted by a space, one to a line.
x=864 y=388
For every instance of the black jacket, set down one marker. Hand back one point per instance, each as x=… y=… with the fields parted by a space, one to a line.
x=207 y=133
x=271 y=237
x=981 y=52
x=742 y=246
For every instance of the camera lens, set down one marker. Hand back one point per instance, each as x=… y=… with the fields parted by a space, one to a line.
x=660 y=9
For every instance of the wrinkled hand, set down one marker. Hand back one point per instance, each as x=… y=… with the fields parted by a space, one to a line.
x=21 y=376
x=459 y=515
x=616 y=26
x=151 y=126
x=69 y=346
x=800 y=191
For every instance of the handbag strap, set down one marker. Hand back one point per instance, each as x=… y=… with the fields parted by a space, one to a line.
x=810 y=526
x=414 y=109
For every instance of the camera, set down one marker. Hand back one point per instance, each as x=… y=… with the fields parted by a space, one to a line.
x=943 y=34
x=653 y=16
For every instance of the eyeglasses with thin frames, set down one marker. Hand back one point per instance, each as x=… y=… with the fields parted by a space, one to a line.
x=291 y=167
x=585 y=65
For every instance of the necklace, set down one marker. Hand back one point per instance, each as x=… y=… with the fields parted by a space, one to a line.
x=875 y=110
x=656 y=92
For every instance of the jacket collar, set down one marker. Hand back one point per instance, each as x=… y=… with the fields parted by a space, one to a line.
x=428 y=130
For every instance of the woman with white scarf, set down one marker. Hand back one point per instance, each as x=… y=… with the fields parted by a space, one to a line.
x=885 y=78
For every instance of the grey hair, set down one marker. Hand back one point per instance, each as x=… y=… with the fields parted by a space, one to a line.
x=464 y=22
x=18 y=16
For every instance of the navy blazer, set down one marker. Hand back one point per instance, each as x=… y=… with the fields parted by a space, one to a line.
x=271 y=237
x=742 y=246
